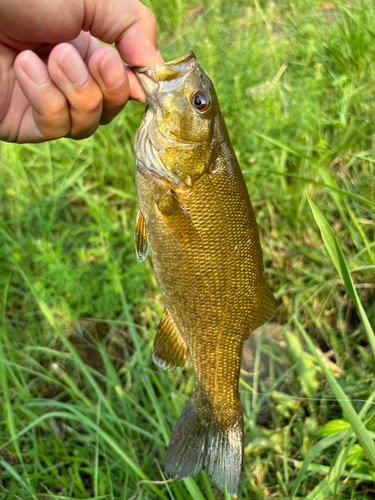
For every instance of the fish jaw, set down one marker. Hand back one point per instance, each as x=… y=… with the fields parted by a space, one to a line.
x=174 y=140
x=164 y=76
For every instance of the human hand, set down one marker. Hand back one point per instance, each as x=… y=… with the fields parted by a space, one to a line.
x=56 y=80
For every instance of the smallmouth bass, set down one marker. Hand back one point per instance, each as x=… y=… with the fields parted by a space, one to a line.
x=195 y=215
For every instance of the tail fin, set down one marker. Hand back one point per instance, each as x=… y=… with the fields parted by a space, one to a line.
x=206 y=444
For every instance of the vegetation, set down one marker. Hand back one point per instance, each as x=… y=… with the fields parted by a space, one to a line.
x=84 y=412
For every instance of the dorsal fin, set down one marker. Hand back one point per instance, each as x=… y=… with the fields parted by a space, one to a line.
x=266 y=308
x=140 y=235
x=169 y=351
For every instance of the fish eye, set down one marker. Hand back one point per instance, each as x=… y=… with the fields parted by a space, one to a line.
x=201 y=101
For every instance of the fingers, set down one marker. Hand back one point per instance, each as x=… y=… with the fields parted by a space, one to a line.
x=67 y=98
x=107 y=69
x=70 y=74
x=78 y=88
x=117 y=91
x=109 y=73
x=136 y=91
x=129 y=24
x=116 y=86
x=137 y=44
x=48 y=117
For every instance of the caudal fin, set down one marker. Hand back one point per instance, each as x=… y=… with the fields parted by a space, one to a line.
x=201 y=443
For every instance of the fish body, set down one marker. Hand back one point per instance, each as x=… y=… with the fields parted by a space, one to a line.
x=195 y=215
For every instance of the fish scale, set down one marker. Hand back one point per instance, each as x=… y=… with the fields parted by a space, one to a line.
x=195 y=215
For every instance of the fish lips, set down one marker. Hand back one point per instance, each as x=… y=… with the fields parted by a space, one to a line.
x=146 y=77
x=164 y=77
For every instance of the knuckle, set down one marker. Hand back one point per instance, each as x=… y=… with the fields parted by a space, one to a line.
x=54 y=122
x=115 y=101
x=53 y=130
x=57 y=109
x=91 y=102
x=109 y=113
x=84 y=133
x=148 y=16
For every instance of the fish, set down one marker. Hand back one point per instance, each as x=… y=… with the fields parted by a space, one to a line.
x=195 y=215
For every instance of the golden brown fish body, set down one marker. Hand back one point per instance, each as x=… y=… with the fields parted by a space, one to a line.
x=196 y=216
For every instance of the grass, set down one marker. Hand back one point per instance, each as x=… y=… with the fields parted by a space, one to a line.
x=84 y=413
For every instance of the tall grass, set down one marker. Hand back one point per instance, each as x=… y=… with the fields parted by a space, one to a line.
x=84 y=413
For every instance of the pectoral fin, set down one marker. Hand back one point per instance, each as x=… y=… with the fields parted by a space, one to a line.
x=266 y=308
x=169 y=351
x=140 y=235
x=170 y=205
x=176 y=218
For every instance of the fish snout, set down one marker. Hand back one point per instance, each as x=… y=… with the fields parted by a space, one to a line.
x=164 y=76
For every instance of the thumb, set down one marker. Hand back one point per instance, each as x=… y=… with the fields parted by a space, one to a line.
x=127 y=23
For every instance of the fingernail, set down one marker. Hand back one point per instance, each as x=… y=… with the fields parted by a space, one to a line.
x=33 y=67
x=112 y=71
x=73 y=67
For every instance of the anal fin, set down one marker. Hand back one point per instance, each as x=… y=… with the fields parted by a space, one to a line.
x=140 y=236
x=169 y=351
x=266 y=308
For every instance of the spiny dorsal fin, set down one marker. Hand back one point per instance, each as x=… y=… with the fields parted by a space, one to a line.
x=140 y=235
x=266 y=307
x=169 y=351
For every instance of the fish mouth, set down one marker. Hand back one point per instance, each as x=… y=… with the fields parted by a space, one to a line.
x=164 y=76
x=178 y=64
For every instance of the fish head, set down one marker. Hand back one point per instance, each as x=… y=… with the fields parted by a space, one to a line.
x=176 y=137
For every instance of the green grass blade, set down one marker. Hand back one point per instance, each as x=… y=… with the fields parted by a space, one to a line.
x=103 y=435
x=324 y=469
x=357 y=425
x=15 y=475
x=284 y=146
x=323 y=489
x=300 y=75
x=311 y=454
x=361 y=199
x=338 y=260
x=193 y=489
